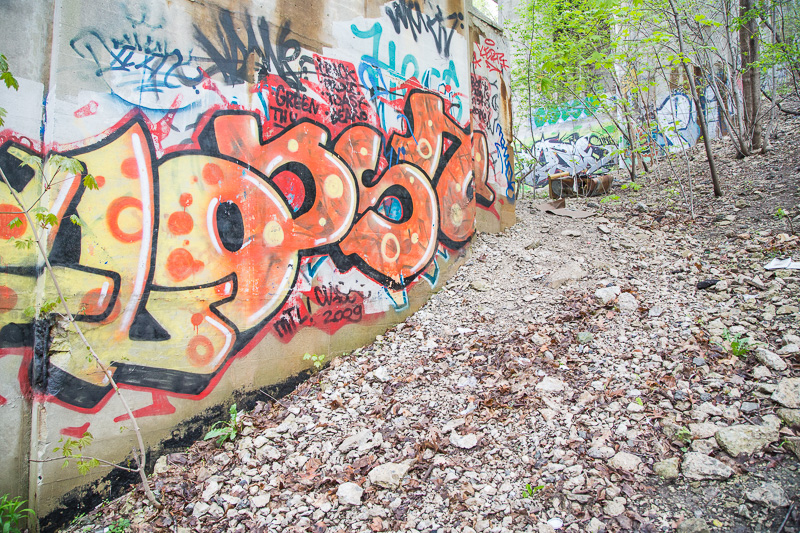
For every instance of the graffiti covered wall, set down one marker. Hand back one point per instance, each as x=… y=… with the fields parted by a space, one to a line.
x=577 y=136
x=271 y=180
x=491 y=115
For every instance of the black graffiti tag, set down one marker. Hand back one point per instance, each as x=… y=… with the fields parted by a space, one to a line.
x=156 y=67
x=231 y=55
x=408 y=15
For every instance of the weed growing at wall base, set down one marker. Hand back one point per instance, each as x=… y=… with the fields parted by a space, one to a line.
x=318 y=359
x=225 y=430
x=11 y=513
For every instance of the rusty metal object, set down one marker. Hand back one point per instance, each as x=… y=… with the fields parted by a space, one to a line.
x=564 y=185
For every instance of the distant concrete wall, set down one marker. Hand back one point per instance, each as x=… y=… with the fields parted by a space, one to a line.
x=275 y=178
x=576 y=136
x=490 y=81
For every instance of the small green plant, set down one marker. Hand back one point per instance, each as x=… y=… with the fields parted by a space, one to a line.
x=120 y=526
x=639 y=401
x=45 y=309
x=226 y=430
x=530 y=490
x=634 y=186
x=318 y=359
x=609 y=199
x=684 y=435
x=780 y=213
x=740 y=345
x=77 y=519
x=11 y=513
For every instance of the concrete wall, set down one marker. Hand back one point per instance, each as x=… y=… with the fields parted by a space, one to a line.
x=275 y=179
x=571 y=138
x=490 y=82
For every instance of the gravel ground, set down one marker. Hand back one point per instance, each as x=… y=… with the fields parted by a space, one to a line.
x=570 y=377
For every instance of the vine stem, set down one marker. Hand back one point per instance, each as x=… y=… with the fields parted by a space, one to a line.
x=71 y=319
x=103 y=461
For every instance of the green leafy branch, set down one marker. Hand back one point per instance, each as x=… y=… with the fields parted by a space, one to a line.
x=8 y=79
x=72 y=449
x=86 y=463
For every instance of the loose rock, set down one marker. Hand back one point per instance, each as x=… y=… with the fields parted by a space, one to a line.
x=468 y=441
x=668 y=468
x=388 y=475
x=788 y=393
x=625 y=461
x=349 y=493
x=570 y=272
x=770 y=359
x=627 y=302
x=550 y=384
x=745 y=438
x=769 y=494
x=697 y=466
x=607 y=295
x=694 y=525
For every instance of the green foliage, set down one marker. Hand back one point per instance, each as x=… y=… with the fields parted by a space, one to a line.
x=8 y=79
x=740 y=345
x=23 y=244
x=77 y=518
x=44 y=309
x=634 y=186
x=609 y=199
x=46 y=219
x=11 y=511
x=72 y=449
x=120 y=526
x=530 y=490
x=683 y=435
x=56 y=165
x=318 y=359
x=579 y=49
x=226 y=430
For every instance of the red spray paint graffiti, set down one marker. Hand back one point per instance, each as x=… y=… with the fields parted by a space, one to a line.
x=183 y=261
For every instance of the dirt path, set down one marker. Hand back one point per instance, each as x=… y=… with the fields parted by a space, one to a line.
x=543 y=387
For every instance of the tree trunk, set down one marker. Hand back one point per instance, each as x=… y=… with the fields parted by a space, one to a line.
x=631 y=145
x=701 y=117
x=751 y=77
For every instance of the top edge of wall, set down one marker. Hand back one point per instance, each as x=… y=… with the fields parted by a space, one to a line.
x=482 y=18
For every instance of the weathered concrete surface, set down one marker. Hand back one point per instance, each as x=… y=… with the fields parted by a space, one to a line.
x=274 y=179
